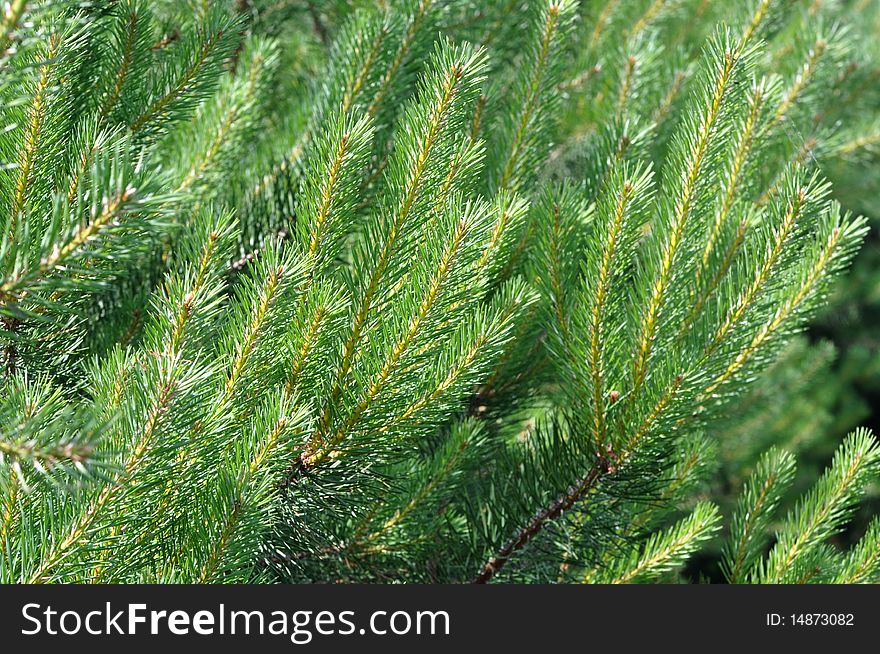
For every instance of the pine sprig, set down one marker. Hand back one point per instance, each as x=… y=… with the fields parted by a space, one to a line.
x=665 y=550
x=758 y=501
x=824 y=509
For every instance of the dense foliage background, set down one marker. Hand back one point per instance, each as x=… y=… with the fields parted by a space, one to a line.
x=410 y=289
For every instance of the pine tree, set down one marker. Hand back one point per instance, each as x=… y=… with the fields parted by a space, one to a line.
x=429 y=290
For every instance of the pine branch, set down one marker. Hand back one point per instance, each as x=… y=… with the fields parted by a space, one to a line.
x=761 y=496
x=683 y=200
x=32 y=136
x=456 y=72
x=862 y=563
x=566 y=501
x=667 y=549
x=483 y=305
x=823 y=510
x=168 y=368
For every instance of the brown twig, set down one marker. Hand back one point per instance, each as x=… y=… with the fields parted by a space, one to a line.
x=605 y=464
x=166 y=40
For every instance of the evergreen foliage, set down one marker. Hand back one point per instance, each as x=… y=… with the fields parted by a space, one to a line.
x=435 y=291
